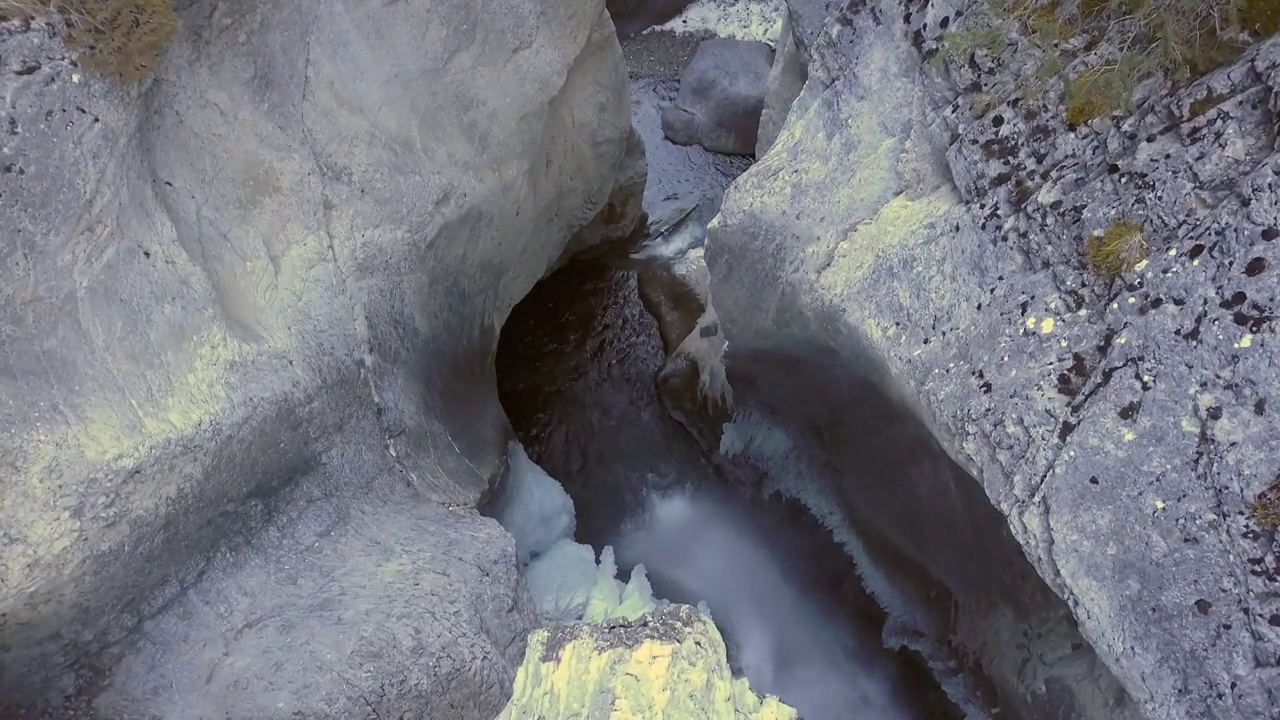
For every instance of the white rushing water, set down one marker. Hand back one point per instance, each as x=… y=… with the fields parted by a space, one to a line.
x=759 y=20
x=702 y=546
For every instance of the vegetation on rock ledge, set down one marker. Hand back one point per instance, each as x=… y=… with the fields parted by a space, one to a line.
x=1102 y=49
x=116 y=38
x=1265 y=510
x=1117 y=250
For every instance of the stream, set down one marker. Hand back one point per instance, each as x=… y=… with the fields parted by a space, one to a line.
x=576 y=372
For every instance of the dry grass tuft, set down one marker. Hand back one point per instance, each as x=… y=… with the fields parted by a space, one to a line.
x=116 y=38
x=1117 y=250
x=1261 y=17
x=1137 y=40
x=1265 y=510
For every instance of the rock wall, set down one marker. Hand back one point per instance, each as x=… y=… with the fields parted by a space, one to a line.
x=247 y=316
x=912 y=251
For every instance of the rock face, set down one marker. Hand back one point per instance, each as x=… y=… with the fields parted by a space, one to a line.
x=668 y=664
x=247 y=316
x=924 y=266
x=786 y=79
x=721 y=97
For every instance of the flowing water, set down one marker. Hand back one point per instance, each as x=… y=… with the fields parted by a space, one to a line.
x=576 y=367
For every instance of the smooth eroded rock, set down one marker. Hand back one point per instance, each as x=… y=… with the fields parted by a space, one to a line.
x=721 y=97
x=786 y=79
x=275 y=275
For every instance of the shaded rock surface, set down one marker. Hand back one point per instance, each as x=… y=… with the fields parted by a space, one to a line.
x=786 y=79
x=667 y=664
x=634 y=16
x=247 y=316
x=333 y=612
x=930 y=257
x=721 y=97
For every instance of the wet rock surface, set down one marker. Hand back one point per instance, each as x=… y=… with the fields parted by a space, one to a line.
x=1122 y=429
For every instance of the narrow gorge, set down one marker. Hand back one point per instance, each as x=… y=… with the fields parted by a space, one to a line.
x=657 y=359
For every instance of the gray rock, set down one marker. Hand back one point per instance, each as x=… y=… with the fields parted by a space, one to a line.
x=925 y=264
x=275 y=276
x=807 y=18
x=331 y=613
x=721 y=97
x=786 y=78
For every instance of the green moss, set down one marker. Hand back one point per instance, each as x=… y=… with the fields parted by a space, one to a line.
x=1047 y=24
x=1093 y=9
x=1082 y=105
x=1117 y=250
x=963 y=44
x=983 y=103
x=1092 y=96
x=1265 y=511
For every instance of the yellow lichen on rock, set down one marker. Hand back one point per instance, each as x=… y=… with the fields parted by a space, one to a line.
x=668 y=665
x=106 y=435
x=900 y=221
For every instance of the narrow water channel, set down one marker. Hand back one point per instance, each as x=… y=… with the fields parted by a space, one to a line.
x=576 y=372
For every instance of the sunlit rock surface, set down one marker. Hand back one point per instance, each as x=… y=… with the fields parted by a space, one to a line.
x=667 y=665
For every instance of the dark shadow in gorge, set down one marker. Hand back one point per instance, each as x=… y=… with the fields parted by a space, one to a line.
x=926 y=527
x=634 y=16
x=576 y=364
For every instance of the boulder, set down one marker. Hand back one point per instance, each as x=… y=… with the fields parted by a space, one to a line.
x=721 y=97
x=1068 y=460
x=247 y=319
